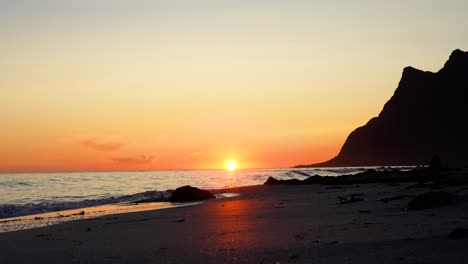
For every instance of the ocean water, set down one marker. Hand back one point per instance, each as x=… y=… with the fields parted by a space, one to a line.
x=34 y=193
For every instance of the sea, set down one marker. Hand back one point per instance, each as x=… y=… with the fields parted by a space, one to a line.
x=24 y=194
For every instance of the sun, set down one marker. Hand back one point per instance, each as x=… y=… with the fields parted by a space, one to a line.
x=231 y=165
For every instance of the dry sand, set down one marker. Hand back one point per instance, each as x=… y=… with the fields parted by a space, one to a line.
x=264 y=224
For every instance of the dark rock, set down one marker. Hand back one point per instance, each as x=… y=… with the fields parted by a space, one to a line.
x=188 y=194
x=292 y=182
x=272 y=180
x=368 y=176
x=459 y=233
x=314 y=179
x=350 y=199
x=430 y=200
x=424 y=116
x=435 y=162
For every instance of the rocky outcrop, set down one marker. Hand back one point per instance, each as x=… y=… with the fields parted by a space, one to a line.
x=189 y=194
x=425 y=116
x=272 y=181
x=421 y=176
x=369 y=176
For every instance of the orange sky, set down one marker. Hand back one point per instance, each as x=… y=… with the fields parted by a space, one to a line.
x=147 y=85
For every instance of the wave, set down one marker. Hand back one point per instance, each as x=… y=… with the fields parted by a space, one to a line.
x=14 y=210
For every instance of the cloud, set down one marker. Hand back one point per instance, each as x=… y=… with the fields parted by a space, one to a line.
x=142 y=159
x=196 y=154
x=101 y=145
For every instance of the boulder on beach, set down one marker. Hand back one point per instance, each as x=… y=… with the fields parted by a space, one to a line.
x=189 y=194
x=430 y=200
x=272 y=180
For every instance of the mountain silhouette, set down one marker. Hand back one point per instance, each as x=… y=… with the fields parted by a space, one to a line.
x=426 y=116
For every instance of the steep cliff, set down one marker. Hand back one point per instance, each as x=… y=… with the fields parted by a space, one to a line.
x=427 y=115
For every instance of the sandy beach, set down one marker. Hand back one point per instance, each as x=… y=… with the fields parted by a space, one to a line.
x=264 y=224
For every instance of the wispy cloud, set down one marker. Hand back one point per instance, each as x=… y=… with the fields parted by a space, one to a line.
x=142 y=159
x=101 y=145
x=195 y=154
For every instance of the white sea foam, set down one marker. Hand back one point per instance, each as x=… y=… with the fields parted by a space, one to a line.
x=34 y=193
x=12 y=210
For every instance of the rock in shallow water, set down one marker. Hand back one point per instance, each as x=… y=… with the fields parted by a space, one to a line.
x=272 y=180
x=189 y=194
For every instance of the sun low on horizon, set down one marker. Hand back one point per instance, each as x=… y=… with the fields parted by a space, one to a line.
x=231 y=165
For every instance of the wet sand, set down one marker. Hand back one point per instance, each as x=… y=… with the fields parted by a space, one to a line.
x=264 y=224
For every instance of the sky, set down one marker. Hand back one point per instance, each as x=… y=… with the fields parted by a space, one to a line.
x=183 y=84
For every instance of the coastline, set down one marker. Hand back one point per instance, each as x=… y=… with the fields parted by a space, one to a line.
x=264 y=224
x=25 y=222
x=29 y=194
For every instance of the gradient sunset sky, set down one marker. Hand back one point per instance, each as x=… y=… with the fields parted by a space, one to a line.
x=94 y=85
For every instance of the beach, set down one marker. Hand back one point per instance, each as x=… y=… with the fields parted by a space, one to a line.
x=262 y=224
x=233 y=132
